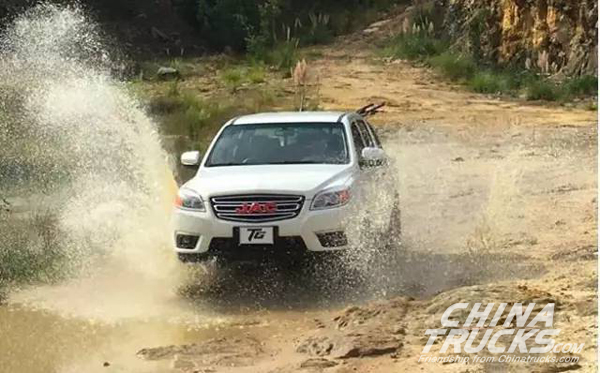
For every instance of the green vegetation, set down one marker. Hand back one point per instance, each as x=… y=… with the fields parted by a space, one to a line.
x=419 y=44
x=232 y=78
x=414 y=46
x=582 y=85
x=453 y=66
x=261 y=25
x=30 y=250
x=489 y=82
x=281 y=56
x=188 y=115
x=543 y=90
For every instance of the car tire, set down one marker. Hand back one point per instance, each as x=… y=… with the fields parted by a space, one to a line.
x=192 y=258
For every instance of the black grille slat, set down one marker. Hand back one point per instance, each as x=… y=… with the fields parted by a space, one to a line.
x=287 y=207
x=257 y=198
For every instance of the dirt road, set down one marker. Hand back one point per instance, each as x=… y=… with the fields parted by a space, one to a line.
x=499 y=204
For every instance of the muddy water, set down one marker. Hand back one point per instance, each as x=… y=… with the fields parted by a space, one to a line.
x=82 y=324
x=42 y=341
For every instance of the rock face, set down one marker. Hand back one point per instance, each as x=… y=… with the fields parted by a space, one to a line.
x=555 y=36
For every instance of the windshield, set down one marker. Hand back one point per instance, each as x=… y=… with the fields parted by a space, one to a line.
x=288 y=143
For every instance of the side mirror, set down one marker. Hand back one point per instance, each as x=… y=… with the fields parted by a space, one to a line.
x=191 y=159
x=372 y=157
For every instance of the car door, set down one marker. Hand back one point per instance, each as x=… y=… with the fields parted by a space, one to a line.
x=379 y=188
x=363 y=191
x=362 y=173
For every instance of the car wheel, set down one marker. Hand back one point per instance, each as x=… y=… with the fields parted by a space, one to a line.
x=192 y=258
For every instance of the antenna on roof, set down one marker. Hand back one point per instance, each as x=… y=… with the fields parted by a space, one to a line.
x=370 y=109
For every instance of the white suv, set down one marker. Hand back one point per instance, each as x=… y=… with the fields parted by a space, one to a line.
x=284 y=184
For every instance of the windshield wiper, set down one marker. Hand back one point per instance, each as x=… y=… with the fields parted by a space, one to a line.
x=263 y=164
x=225 y=164
x=296 y=162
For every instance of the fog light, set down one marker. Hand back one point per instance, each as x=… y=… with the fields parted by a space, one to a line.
x=332 y=239
x=185 y=241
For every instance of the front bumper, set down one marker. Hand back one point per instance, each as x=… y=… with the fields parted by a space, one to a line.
x=298 y=234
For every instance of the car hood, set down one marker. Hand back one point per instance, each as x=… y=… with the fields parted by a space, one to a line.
x=301 y=179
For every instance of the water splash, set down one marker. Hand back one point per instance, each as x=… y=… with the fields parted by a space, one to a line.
x=76 y=140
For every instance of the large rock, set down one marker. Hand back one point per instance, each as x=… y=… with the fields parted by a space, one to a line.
x=168 y=73
x=371 y=330
x=225 y=352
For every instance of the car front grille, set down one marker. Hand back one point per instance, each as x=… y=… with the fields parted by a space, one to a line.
x=257 y=208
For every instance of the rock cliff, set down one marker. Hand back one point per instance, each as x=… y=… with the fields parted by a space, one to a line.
x=555 y=36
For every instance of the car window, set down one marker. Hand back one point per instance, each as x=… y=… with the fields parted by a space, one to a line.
x=365 y=133
x=359 y=144
x=280 y=143
x=374 y=134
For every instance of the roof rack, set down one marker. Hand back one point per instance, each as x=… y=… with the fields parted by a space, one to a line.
x=370 y=109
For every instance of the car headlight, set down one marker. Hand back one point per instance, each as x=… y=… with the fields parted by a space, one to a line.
x=327 y=200
x=188 y=199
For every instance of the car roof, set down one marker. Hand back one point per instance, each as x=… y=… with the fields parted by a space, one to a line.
x=291 y=117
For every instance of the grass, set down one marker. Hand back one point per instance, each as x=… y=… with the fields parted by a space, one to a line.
x=415 y=46
x=185 y=113
x=482 y=78
x=256 y=74
x=282 y=56
x=543 y=90
x=585 y=85
x=454 y=66
x=236 y=76
x=233 y=78
x=487 y=82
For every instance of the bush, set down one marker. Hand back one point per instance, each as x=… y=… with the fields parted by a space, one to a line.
x=285 y=55
x=256 y=74
x=232 y=78
x=542 y=90
x=454 y=66
x=582 y=85
x=486 y=82
x=226 y=23
x=319 y=31
x=494 y=82
x=243 y=25
x=235 y=77
x=415 y=46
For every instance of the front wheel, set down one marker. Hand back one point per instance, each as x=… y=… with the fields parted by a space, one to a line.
x=193 y=258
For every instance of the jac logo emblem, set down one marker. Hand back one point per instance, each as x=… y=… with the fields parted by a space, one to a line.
x=257 y=208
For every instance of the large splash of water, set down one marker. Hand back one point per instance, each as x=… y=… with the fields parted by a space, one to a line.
x=75 y=139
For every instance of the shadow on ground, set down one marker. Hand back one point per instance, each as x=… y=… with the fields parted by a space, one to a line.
x=273 y=286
